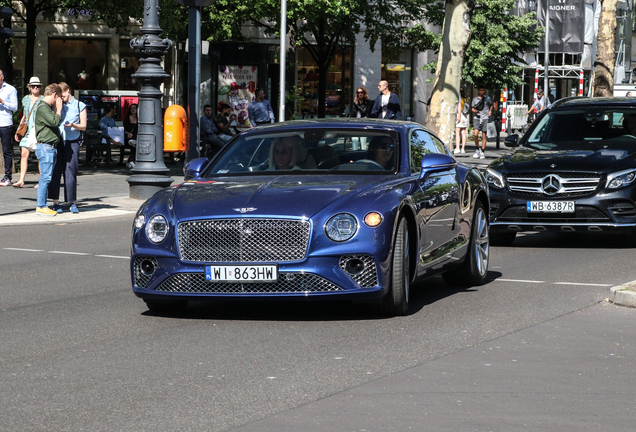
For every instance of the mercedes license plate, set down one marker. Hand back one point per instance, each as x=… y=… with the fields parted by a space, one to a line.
x=241 y=273
x=550 y=207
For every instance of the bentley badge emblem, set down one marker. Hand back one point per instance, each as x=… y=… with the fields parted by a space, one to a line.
x=245 y=209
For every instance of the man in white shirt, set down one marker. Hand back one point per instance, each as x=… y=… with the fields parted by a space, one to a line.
x=8 y=105
x=387 y=104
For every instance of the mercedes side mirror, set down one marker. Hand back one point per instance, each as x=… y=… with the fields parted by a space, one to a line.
x=512 y=140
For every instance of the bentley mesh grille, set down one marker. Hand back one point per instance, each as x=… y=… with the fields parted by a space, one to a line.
x=582 y=214
x=286 y=283
x=243 y=240
x=142 y=279
x=369 y=277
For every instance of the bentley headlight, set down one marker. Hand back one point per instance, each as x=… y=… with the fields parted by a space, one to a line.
x=140 y=221
x=157 y=229
x=495 y=179
x=341 y=227
x=621 y=178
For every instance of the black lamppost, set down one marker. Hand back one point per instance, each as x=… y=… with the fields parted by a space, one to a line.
x=150 y=174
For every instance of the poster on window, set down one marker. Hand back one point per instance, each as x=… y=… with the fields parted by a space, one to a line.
x=237 y=88
x=125 y=103
x=92 y=107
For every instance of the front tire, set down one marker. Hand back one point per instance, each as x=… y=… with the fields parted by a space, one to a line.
x=396 y=301
x=474 y=269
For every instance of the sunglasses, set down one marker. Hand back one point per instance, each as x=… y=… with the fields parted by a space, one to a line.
x=34 y=86
x=360 y=92
x=386 y=146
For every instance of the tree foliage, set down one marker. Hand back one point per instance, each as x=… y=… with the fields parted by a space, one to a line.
x=494 y=55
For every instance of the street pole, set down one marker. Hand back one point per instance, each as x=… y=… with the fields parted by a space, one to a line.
x=150 y=174
x=283 y=59
x=194 y=80
x=547 y=49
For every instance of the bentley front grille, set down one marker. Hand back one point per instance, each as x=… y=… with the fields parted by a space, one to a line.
x=287 y=283
x=243 y=240
x=553 y=185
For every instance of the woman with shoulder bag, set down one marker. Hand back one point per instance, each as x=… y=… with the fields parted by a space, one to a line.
x=74 y=121
x=30 y=103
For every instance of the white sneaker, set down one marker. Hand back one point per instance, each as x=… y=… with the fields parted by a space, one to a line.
x=481 y=155
x=456 y=151
x=476 y=155
x=462 y=152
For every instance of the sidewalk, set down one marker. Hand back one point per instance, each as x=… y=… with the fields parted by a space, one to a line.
x=101 y=192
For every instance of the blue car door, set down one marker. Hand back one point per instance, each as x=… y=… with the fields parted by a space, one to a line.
x=439 y=210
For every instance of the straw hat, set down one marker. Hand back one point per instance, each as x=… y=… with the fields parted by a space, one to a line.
x=34 y=81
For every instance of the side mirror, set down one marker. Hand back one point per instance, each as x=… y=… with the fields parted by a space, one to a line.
x=432 y=162
x=512 y=140
x=193 y=168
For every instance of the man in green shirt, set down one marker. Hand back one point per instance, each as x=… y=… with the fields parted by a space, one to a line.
x=46 y=127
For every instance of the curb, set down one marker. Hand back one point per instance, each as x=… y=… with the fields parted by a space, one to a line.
x=621 y=295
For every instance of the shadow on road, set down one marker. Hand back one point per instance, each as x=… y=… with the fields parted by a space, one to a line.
x=422 y=294
x=601 y=240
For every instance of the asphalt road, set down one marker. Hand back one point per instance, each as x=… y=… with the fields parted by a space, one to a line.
x=79 y=352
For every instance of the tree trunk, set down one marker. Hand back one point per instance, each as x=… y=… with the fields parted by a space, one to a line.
x=448 y=73
x=605 y=52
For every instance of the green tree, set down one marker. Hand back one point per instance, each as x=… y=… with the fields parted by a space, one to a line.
x=489 y=54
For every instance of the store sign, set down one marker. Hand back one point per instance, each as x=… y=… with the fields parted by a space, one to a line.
x=237 y=87
x=567 y=25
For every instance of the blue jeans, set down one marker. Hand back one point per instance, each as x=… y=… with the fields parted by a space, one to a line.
x=47 y=156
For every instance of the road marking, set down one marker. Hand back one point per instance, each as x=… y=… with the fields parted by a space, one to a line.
x=69 y=253
x=24 y=250
x=585 y=284
x=519 y=280
x=113 y=256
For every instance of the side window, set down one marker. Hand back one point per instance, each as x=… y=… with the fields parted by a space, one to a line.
x=439 y=145
x=420 y=144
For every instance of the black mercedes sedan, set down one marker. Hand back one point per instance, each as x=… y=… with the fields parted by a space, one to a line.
x=573 y=171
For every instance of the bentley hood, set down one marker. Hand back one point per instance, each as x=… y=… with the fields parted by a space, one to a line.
x=301 y=195
x=600 y=161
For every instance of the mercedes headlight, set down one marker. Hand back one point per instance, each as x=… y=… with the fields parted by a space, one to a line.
x=495 y=179
x=621 y=178
x=157 y=229
x=341 y=227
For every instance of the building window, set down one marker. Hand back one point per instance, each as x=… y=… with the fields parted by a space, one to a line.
x=128 y=65
x=397 y=72
x=338 y=84
x=81 y=63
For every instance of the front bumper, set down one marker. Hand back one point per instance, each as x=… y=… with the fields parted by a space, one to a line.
x=317 y=277
x=602 y=211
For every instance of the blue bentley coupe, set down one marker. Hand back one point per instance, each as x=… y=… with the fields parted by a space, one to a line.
x=357 y=209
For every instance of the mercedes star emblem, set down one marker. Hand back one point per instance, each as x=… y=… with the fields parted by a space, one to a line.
x=553 y=166
x=551 y=184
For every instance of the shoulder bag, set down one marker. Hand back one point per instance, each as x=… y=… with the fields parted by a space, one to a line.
x=23 y=127
x=32 y=139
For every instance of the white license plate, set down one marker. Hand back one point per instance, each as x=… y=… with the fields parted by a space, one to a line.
x=550 y=207
x=241 y=273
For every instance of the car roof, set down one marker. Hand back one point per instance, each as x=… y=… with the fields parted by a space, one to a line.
x=344 y=123
x=585 y=102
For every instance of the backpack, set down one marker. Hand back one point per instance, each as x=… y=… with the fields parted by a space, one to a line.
x=466 y=108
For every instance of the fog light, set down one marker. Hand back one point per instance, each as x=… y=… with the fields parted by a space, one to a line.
x=147 y=267
x=354 y=266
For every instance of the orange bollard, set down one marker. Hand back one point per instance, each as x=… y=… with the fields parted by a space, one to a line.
x=175 y=129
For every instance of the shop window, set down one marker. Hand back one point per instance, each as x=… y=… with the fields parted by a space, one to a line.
x=397 y=72
x=128 y=65
x=81 y=63
x=338 y=84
